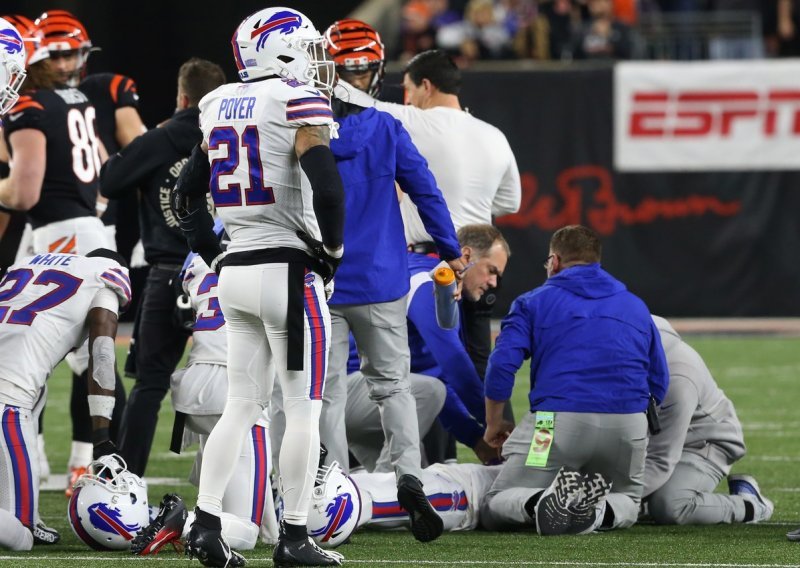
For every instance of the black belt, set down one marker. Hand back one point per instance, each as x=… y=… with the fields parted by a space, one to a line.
x=170 y=267
x=428 y=247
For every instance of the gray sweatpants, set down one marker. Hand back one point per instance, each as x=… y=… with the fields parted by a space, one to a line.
x=363 y=420
x=382 y=336
x=613 y=445
x=688 y=498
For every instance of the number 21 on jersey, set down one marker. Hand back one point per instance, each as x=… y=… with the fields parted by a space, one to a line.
x=230 y=193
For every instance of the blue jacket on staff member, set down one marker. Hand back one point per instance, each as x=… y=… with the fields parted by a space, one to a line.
x=375 y=267
x=592 y=344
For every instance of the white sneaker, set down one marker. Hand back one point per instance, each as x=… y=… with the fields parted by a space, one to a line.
x=746 y=487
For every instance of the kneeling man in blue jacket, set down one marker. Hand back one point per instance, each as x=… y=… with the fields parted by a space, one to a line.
x=576 y=462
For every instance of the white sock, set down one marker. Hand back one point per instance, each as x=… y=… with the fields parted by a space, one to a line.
x=44 y=465
x=80 y=454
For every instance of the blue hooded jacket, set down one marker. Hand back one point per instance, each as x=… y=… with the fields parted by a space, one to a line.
x=592 y=344
x=372 y=151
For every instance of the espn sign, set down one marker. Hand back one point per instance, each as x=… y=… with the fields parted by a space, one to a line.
x=707 y=116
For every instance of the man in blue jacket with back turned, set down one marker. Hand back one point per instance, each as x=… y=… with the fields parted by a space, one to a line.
x=576 y=462
x=373 y=150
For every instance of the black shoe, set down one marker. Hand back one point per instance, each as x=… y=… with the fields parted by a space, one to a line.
x=166 y=528
x=42 y=534
x=303 y=553
x=552 y=511
x=426 y=524
x=205 y=543
x=587 y=513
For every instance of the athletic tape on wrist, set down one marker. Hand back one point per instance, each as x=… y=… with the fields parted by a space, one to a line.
x=103 y=362
x=101 y=405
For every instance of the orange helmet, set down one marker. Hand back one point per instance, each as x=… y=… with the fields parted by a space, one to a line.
x=64 y=32
x=356 y=47
x=31 y=35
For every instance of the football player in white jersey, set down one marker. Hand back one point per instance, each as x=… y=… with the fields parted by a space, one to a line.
x=454 y=490
x=276 y=188
x=49 y=303
x=199 y=391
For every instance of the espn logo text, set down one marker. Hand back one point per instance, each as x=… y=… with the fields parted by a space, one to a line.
x=713 y=114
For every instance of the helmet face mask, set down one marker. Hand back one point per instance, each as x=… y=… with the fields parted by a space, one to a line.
x=13 y=58
x=282 y=42
x=109 y=505
x=335 y=507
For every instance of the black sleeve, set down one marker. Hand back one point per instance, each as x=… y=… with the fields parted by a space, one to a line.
x=190 y=206
x=125 y=170
x=320 y=166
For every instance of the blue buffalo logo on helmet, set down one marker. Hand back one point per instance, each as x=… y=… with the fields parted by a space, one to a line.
x=284 y=22
x=11 y=41
x=338 y=512
x=110 y=520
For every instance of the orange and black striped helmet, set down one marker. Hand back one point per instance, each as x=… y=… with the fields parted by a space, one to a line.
x=63 y=31
x=356 y=47
x=34 y=47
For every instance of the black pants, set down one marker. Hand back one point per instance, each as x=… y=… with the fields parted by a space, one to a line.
x=159 y=346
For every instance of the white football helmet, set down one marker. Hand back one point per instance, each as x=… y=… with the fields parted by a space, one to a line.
x=335 y=507
x=109 y=505
x=283 y=42
x=12 y=65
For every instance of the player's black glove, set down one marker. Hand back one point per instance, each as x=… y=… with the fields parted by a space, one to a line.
x=327 y=263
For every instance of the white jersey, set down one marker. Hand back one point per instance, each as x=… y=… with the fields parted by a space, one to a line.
x=44 y=301
x=209 y=338
x=454 y=490
x=471 y=160
x=259 y=189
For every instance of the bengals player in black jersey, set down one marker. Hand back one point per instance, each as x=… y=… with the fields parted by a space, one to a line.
x=56 y=154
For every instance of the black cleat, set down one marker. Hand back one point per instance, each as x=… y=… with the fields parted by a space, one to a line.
x=587 y=512
x=553 y=516
x=303 y=553
x=205 y=543
x=42 y=534
x=426 y=524
x=165 y=529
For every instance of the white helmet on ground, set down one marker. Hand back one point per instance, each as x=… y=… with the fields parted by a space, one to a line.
x=12 y=65
x=109 y=505
x=282 y=42
x=335 y=507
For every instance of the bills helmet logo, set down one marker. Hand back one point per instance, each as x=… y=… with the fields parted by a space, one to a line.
x=338 y=514
x=110 y=520
x=309 y=280
x=11 y=41
x=284 y=22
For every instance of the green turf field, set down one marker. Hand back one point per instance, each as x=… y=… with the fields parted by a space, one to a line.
x=759 y=374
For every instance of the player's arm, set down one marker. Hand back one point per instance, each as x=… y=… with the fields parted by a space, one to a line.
x=125 y=171
x=102 y=320
x=509 y=193
x=511 y=350
x=190 y=206
x=658 y=378
x=23 y=187
x=129 y=125
x=312 y=146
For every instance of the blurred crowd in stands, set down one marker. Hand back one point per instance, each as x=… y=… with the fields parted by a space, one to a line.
x=564 y=30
